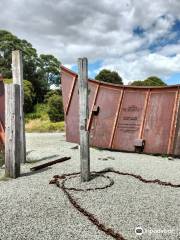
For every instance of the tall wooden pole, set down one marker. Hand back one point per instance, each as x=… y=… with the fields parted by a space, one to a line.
x=17 y=72
x=83 y=117
x=12 y=130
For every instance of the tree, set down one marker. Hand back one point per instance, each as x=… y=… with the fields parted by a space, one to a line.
x=51 y=93
x=55 y=108
x=28 y=96
x=40 y=71
x=109 y=76
x=51 y=69
x=138 y=83
x=150 y=81
x=154 y=81
x=8 y=43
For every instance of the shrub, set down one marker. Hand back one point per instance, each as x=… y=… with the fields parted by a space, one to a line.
x=55 y=108
x=38 y=125
x=151 y=81
x=51 y=93
x=31 y=116
x=28 y=96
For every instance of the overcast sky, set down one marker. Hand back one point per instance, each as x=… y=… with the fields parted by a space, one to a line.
x=136 y=38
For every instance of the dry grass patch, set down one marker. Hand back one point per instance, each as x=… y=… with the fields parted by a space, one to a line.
x=39 y=125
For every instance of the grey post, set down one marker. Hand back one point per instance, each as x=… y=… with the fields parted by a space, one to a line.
x=17 y=71
x=12 y=130
x=83 y=117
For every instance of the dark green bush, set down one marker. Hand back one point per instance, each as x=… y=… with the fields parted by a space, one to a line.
x=55 y=108
x=51 y=93
x=28 y=96
x=150 y=81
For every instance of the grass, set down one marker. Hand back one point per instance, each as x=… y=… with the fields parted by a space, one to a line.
x=38 y=121
x=8 y=81
x=39 y=125
x=40 y=112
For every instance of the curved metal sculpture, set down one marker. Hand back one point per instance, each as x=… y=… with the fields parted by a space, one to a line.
x=125 y=118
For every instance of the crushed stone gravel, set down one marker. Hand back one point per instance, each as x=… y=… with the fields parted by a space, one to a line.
x=30 y=208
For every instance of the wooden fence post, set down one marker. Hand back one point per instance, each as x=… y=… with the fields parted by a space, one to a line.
x=83 y=117
x=12 y=130
x=17 y=71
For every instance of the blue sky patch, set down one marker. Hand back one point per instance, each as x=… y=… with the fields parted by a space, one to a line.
x=92 y=68
x=173 y=79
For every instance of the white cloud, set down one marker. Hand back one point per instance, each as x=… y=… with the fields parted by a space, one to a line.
x=99 y=30
x=144 y=65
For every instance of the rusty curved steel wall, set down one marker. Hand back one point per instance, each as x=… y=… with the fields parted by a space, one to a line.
x=121 y=115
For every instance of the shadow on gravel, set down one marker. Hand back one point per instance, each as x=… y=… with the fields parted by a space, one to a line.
x=49 y=157
x=35 y=172
x=28 y=152
x=42 y=159
x=100 y=173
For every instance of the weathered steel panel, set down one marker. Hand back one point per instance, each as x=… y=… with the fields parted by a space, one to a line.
x=101 y=128
x=67 y=86
x=176 y=140
x=129 y=120
x=72 y=123
x=158 y=121
x=122 y=116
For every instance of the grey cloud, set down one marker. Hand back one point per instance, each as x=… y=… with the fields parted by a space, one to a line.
x=100 y=29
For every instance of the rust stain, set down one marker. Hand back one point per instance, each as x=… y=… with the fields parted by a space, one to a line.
x=145 y=112
x=173 y=125
x=70 y=95
x=116 y=118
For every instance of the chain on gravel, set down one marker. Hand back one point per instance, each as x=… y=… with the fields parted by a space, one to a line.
x=109 y=231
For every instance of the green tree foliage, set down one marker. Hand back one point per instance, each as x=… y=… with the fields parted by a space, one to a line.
x=28 y=96
x=109 y=76
x=8 y=43
x=55 y=108
x=150 y=81
x=138 y=83
x=40 y=71
x=51 y=69
x=51 y=93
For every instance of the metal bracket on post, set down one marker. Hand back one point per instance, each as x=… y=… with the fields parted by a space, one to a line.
x=83 y=116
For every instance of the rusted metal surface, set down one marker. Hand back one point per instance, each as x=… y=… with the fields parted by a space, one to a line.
x=121 y=114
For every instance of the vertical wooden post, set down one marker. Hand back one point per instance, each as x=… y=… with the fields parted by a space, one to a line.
x=83 y=117
x=12 y=130
x=17 y=71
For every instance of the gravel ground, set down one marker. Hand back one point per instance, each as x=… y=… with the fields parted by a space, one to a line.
x=30 y=208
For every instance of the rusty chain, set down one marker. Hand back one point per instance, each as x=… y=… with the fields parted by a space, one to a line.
x=109 y=231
